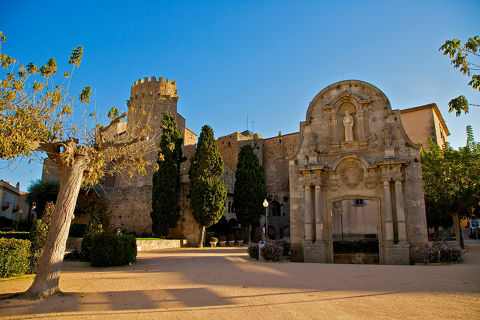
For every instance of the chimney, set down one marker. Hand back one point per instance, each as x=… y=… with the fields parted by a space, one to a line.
x=18 y=186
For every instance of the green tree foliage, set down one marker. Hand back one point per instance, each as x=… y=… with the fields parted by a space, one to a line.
x=451 y=181
x=166 y=181
x=36 y=116
x=100 y=222
x=38 y=234
x=40 y=192
x=250 y=190
x=207 y=191
x=459 y=54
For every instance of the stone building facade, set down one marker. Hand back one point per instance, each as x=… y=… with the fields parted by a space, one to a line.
x=372 y=161
x=322 y=183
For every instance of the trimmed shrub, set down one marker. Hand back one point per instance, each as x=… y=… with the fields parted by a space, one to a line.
x=208 y=235
x=222 y=238
x=252 y=250
x=213 y=239
x=443 y=252
x=364 y=245
x=133 y=233
x=113 y=250
x=14 y=257
x=15 y=235
x=230 y=237
x=272 y=251
x=77 y=230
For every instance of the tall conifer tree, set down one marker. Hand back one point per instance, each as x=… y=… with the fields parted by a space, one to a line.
x=207 y=191
x=165 y=194
x=250 y=190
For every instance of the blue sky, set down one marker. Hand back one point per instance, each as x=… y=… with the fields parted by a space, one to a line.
x=267 y=59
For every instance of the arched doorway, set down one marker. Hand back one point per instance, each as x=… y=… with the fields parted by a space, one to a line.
x=355 y=225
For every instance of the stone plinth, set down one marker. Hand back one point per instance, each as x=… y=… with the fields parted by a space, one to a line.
x=398 y=254
x=315 y=252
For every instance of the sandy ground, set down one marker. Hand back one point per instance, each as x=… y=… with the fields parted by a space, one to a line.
x=223 y=283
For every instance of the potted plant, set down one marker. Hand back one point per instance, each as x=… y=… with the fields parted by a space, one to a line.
x=240 y=240
x=222 y=240
x=231 y=239
x=213 y=242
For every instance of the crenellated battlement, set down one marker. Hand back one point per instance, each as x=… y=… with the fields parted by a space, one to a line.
x=151 y=88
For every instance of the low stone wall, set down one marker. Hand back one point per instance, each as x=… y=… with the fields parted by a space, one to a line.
x=356 y=258
x=150 y=245
x=142 y=245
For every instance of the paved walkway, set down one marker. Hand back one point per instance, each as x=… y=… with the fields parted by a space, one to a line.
x=223 y=283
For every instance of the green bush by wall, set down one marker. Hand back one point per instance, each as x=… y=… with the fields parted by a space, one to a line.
x=14 y=257
x=14 y=235
x=113 y=250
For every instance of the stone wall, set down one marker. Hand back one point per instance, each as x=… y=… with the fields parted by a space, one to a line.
x=229 y=146
x=275 y=151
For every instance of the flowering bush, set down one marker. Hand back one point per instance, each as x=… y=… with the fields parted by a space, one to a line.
x=431 y=254
x=272 y=251
x=443 y=252
x=252 y=250
x=285 y=245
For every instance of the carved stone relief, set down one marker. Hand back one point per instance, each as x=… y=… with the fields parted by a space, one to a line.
x=352 y=174
x=312 y=144
x=390 y=149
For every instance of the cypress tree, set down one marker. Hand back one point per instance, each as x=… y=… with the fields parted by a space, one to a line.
x=165 y=194
x=250 y=190
x=207 y=192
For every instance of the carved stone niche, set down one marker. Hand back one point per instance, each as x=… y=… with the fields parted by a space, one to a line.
x=352 y=173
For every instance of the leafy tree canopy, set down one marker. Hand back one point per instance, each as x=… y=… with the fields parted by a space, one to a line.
x=207 y=191
x=250 y=190
x=460 y=59
x=451 y=179
x=36 y=115
x=40 y=192
x=166 y=181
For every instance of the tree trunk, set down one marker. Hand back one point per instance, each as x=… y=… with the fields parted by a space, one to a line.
x=48 y=272
x=202 y=237
x=456 y=226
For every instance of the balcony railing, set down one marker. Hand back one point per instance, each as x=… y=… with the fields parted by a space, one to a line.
x=5 y=206
x=15 y=209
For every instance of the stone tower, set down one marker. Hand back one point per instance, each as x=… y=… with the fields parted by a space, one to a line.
x=148 y=99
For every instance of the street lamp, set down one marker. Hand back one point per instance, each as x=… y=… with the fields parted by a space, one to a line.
x=265 y=205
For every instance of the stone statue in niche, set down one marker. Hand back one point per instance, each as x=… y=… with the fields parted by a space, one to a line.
x=348 y=123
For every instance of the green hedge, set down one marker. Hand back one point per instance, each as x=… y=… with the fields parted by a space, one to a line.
x=14 y=235
x=113 y=250
x=14 y=257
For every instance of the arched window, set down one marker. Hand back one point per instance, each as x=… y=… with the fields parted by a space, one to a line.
x=275 y=210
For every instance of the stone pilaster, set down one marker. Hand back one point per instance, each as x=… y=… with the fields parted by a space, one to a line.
x=318 y=214
x=402 y=234
x=387 y=203
x=308 y=215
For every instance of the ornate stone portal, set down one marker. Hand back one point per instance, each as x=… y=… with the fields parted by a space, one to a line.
x=353 y=152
